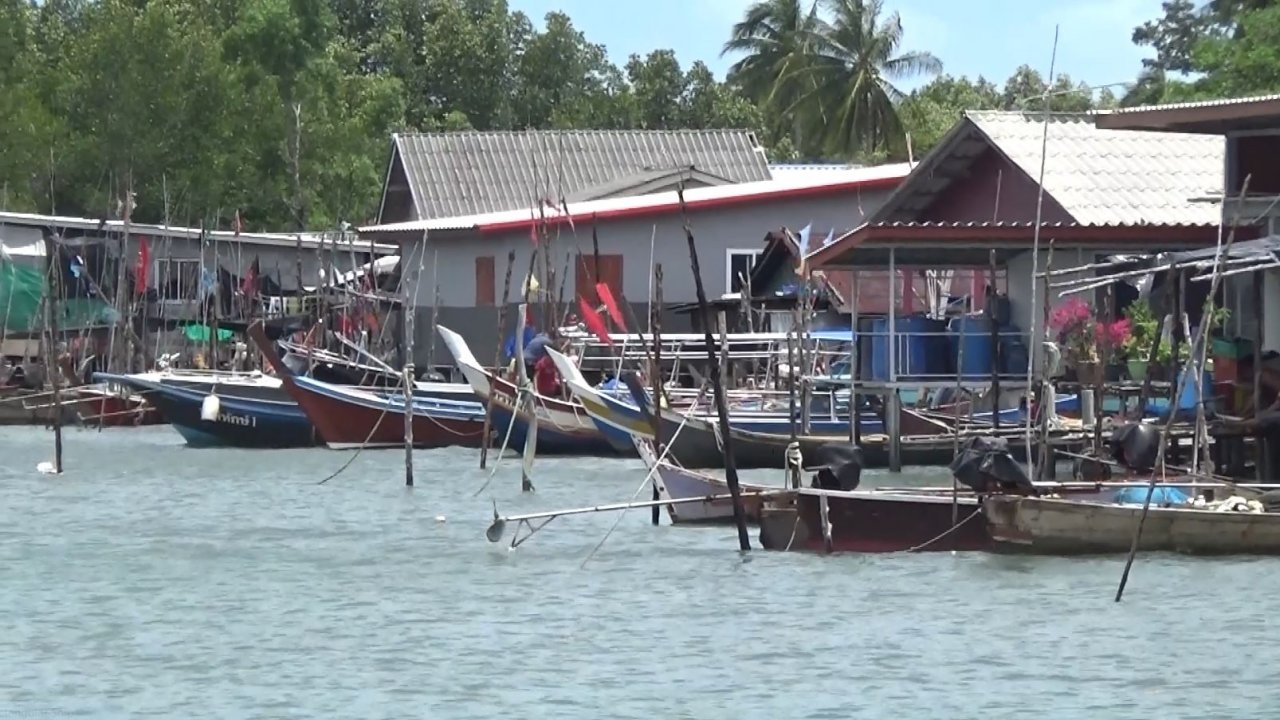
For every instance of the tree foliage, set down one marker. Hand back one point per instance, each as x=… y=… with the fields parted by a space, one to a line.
x=282 y=109
x=1212 y=49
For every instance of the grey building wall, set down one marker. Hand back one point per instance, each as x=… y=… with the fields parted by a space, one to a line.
x=443 y=265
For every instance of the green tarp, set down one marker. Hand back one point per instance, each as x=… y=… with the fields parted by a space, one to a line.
x=201 y=333
x=21 y=290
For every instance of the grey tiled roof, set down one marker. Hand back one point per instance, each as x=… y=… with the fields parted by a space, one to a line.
x=1113 y=177
x=468 y=173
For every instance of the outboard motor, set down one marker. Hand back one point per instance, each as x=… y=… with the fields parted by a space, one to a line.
x=985 y=465
x=1135 y=446
x=839 y=467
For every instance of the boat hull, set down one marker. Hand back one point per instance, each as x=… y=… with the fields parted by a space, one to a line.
x=1054 y=526
x=552 y=440
x=352 y=419
x=564 y=428
x=676 y=483
x=871 y=522
x=241 y=422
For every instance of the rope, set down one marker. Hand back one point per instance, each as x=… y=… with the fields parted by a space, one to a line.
x=381 y=416
x=505 y=442
x=953 y=528
x=666 y=448
x=794 y=458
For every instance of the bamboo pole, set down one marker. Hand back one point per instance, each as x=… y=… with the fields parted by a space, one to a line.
x=52 y=309
x=722 y=409
x=1202 y=334
x=655 y=327
x=497 y=360
x=1261 y=446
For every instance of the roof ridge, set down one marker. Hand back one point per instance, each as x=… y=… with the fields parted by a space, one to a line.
x=1085 y=115
x=576 y=131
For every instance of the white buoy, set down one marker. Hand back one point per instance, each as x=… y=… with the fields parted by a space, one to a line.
x=209 y=408
x=440 y=518
x=46 y=468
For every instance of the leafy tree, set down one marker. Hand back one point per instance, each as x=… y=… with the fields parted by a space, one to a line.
x=856 y=62
x=933 y=109
x=776 y=37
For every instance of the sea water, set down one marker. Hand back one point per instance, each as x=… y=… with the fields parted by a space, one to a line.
x=153 y=580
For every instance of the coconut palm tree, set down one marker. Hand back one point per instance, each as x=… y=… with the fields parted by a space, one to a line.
x=854 y=62
x=774 y=37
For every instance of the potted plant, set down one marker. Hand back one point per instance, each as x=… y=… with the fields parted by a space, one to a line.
x=1142 y=335
x=1074 y=326
x=1111 y=337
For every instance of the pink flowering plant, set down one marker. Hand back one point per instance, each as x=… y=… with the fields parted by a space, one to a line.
x=1077 y=328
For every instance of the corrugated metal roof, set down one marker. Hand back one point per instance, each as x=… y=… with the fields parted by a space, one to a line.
x=657 y=202
x=1223 y=102
x=310 y=240
x=467 y=173
x=1113 y=177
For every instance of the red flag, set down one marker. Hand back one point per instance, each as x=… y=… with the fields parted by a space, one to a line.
x=593 y=321
x=249 y=285
x=611 y=305
x=140 y=270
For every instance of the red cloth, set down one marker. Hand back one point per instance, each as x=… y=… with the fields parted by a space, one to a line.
x=140 y=269
x=593 y=321
x=545 y=378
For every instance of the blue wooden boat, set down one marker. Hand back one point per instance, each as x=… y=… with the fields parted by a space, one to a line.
x=248 y=415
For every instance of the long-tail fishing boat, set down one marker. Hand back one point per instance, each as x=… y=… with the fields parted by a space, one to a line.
x=353 y=417
x=1179 y=511
x=696 y=442
x=564 y=428
x=676 y=484
x=621 y=420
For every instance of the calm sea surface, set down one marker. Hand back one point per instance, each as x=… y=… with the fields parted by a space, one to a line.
x=152 y=580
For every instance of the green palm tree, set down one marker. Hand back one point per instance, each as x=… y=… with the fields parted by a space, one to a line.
x=855 y=60
x=774 y=37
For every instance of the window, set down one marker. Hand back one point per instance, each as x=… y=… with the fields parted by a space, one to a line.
x=179 y=279
x=738 y=268
x=485 y=279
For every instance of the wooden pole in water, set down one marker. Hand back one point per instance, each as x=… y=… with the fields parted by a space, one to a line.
x=655 y=326
x=855 y=363
x=1202 y=335
x=992 y=300
x=722 y=409
x=408 y=312
x=52 y=309
x=497 y=360
x=1261 y=445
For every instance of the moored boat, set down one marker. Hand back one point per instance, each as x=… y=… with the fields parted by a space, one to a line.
x=226 y=417
x=1060 y=526
x=564 y=428
x=872 y=521
x=676 y=483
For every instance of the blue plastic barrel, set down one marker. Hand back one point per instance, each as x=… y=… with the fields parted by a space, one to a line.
x=913 y=351
x=973 y=334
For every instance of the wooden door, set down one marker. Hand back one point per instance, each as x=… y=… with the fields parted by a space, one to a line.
x=485 y=280
x=610 y=273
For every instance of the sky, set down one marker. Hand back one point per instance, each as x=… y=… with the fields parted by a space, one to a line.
x=976 y=37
